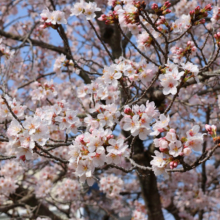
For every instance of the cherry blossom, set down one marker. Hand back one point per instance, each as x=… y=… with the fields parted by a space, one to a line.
x=110 y=117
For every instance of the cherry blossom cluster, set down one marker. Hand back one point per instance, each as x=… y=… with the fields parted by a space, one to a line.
x=12 y=169
x=51 y=19
x=47 y=173
x=37 y=128
x=88 y=9
x=7 y=186
x=171 y=146
x=62 y=61
x=162 y=10
x=139 y=211
x=138 y=118
x=126 y=13
x=94 y=149
x=216 y=15
x=171 y=77
x=67 y=190
x=106 y=87
x=179 y=53
x=211 y=129
x=193 y=195
x=144 y=40
x=198 y=15
x=16 y=108
x=5 y=51
x=44 y=181
x=181 y=24
x=186 y=187
x=43 y=91
x=22 y=137
x=43 y=188
x=184 y=6
x=217 y=38
x=47 y=143
x=111 y=185
x=107 y=116
x=129 y=16
x=10 y=172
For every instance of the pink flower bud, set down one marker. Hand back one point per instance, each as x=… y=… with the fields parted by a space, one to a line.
x=48 y=23
x=43 y=26
x=175 y=164
x=44 y=18
x=208 y=7
x=168 y=11
x=193 y=48
x=81 y=137
x=154 y=6
x=197 y=8
x=192 y=13
x=23 y=157
x=202 y=21
x=162 y=149
x=208 y=128
x=110 y=136
x=167 y=4
x=102 y=17
x=127 y=110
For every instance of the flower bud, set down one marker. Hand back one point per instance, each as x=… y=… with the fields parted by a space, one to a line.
x=110 y=136
x=202 y=21
x=208 y=128
x=127 y=110
x=208 y=7
x=197 y=9
x=44 y=18
x=167 y=4
x=154 y=6
x=192 y=13
x=175 y=164
x=23 y=157
x=102 y=17
x=163 y=149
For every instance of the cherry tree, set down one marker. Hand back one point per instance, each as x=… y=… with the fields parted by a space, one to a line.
x=109 y=109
